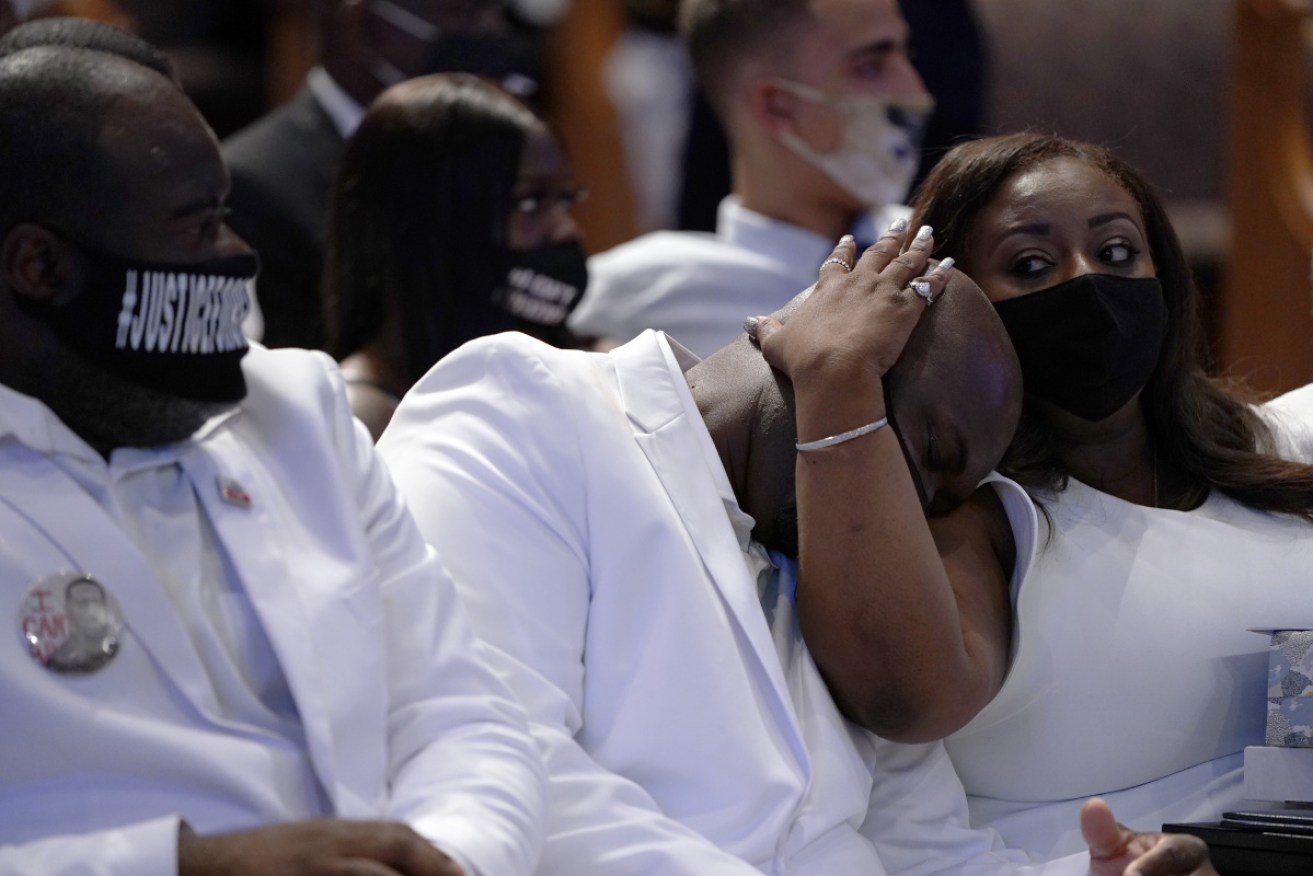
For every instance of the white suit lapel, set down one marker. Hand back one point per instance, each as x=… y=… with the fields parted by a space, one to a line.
x=93 y=543
x=309 y=630
x=657 y=412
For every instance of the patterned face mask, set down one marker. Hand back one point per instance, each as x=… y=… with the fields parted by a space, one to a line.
x=880 y=147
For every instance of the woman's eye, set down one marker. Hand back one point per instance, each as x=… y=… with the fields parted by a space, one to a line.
x=1027 y=266
x=1119 y=253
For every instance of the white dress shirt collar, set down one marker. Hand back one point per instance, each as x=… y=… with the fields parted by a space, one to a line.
x=792 y=244
x=783 y=242
x=678 y=361
x=31 y=423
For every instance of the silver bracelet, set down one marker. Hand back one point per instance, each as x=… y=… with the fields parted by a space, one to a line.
x=822 y=443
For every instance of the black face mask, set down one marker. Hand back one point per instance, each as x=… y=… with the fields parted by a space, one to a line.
x=1088 y=345
x=542 y=286
x=173 y=328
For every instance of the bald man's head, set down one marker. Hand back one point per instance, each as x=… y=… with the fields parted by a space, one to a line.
x=961 y=335
x=54 y=106
x=954 y=395
x=112 y=175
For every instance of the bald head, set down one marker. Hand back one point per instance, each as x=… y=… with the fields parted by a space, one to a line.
x=107 y=162
x=955 y=397
x=956 y=386
x=55 y=103
x=956 y=392
x=959 y=346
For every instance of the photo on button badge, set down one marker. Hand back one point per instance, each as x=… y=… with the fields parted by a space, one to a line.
x=1075 y=249
x=451 y=219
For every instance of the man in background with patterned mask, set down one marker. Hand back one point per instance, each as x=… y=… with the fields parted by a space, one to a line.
x=824 y=114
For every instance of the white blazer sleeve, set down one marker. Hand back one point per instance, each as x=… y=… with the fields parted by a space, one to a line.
x=146 y=849
x=598 y=313
x=486 y=450
x=1291 y=417
x=918 y=821
x=463 y=770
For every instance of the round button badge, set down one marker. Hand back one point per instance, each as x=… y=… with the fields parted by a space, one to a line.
x=70 y=623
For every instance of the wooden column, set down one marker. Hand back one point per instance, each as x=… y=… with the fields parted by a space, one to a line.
x=1267 y=305
x=583 y=114
x=292 y=31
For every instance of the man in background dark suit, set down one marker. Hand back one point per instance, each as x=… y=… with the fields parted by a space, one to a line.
x=283 y=166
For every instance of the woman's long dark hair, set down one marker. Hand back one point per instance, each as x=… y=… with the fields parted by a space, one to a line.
x=419 y=217
x=1205 y=426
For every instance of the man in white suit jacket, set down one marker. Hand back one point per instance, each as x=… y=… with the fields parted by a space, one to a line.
x=285 y=682
x=593 y=508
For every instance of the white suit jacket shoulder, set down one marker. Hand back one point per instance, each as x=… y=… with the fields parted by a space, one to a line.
x=1291 y=416
x=694 y=285
x=523 y=466
x=461 y=767
x=487 y=444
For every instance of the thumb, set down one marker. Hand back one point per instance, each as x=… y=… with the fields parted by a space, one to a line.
x=1105 y=837
x=761 y=328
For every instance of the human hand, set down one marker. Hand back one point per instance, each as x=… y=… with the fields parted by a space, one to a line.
x=856 y=321
x=1117 y=851
x=310 y=848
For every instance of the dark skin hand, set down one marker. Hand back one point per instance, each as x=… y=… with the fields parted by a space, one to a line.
x=874 y=592
x=976 y=547
x=324 y=847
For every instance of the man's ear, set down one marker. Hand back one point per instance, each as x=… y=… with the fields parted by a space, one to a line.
x=770 y=107
x=37 y=264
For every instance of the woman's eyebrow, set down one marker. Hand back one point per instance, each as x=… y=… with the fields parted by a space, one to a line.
x=1039 y=229
x=1105 y=218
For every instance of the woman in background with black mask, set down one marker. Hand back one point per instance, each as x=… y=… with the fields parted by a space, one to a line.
x=450 y=220
x=1174 y=513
